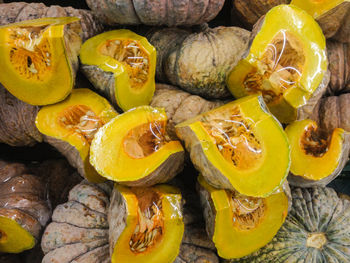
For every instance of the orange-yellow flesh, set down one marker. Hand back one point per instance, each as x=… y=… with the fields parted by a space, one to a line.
x=145 y=139
x=234 y=137
x=132 y=55
x=247 y=211
x=80 y=119
x=30 y=52
x=149 y=228
x=279 y=68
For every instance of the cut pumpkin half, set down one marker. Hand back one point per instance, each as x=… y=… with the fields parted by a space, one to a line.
x=238 y=224
x=134 y=149
x=71 y=125
x=121 y=65
x=40 y=59
x=286 y=63
x=239 y=146
x=146 y=224
x=317 y=157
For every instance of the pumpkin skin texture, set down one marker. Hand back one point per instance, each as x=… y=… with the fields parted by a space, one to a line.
x=286 y=62
x=146 y=224
x=121 y=65
x=317 y=158
x=20 y=11
x=23 y=208
x=339 y=67
x=232 y=228
x=235 y=141
x=17 y=120
x=180 y=105
x=316 y=230
x=33 y=52
x=332 y=112
x=138 y=139
x=332 y=15
x=70 y=126
x=249 y=11
x=200 y=62
x=161 y=12
x=79 y=228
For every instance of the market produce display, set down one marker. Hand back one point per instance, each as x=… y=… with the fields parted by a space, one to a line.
x=24 y=209
x=121 y=65
x=170 y=131
x=317 y=157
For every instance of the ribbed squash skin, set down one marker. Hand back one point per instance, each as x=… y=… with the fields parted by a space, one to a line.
x=79 y=228
x=160 y=12
x=333 y=112
x=24 y=211
x=315 y=211
x=17 y=120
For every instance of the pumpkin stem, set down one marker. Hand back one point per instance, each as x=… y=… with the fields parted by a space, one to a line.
x=316 y=240
x=201 y=28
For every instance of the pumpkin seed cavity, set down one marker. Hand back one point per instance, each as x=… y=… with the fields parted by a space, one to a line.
x=315 y=142
x=247 y=211
x=278 y=69
x=234 y=137
x=132 y=55
x=81 y=119
x=149 y=228
x=30 y=52
x=145 y=139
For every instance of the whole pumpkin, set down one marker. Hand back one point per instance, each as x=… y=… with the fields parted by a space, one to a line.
x=199 y=62
x=316 y=230
x=79 y=228
x=159 y=12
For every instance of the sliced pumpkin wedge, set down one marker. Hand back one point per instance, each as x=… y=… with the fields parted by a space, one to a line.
x=71 y=125
x=238 y=224
x=134 y=149
x=317 y=157
x=239 y=146
x=39 y=59
x=146 y=224
x=121 y=65
x=286 y=63
x=332 y=15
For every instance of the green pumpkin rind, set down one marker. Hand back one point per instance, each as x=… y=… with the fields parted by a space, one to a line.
x=315 y=211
